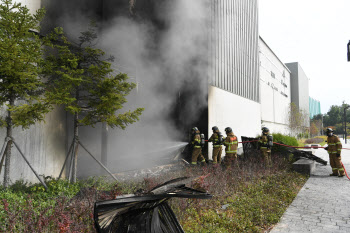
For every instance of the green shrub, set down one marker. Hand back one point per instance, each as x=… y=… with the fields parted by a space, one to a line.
x=64 y=207
x=284 y=139
x=303 y=135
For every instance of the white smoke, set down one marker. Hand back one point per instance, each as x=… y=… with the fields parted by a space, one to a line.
x=162 y=63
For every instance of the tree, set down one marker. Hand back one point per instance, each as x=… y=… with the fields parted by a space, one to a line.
x=333 y=116
x=21 y=86
x=296 y=118
x=313 y=129
x=86 y=85
x=318 y=117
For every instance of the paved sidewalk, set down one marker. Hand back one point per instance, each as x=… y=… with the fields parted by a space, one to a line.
x=323 y=204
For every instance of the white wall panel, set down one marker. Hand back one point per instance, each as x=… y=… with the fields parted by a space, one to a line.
x=226 y=109
x=33 y=5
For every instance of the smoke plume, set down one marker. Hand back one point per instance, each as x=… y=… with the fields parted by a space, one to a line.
x=165 y=53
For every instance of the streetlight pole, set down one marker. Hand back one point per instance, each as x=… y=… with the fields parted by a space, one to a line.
x=348 y=47
x=345 y=108
x=345 y=123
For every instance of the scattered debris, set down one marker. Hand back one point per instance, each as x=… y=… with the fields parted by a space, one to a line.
x=224 y=207
x=147 y=172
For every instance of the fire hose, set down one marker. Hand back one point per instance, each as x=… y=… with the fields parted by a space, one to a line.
x=345 y=171
x=314 y=147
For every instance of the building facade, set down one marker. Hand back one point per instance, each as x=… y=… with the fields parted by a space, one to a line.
x=233 y=97
x=275 y=90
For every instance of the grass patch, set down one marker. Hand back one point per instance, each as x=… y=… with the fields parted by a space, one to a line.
x=316 y=140
x=250 y=198
x=301 y=142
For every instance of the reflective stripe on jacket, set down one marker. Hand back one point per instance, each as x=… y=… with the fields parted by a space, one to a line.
x=334 y=145
x=196 y=141
x=263 y=140
x=231 y=143
x=215 y=139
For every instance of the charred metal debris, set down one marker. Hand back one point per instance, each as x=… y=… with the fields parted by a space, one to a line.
x=145 y=212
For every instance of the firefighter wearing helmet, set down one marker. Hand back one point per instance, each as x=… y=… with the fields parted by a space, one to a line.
x=265 y=144
x=197 y=143
x=217 y=140
x=231 y=145
x=334 y=150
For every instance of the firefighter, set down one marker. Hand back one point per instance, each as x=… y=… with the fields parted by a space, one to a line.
x=334 y=150
x=231 y=145
x=197 y=142
x=217 y=140
x=265 y=144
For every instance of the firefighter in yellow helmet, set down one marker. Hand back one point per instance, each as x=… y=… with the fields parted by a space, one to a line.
x=334 y=150
x=197 y=143
x=217 y=140
x=265 y=144
x=231 y=145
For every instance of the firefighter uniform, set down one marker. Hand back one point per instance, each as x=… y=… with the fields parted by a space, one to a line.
x=217 y=147
x=334 y=151
x=197 y=148
x=231 y=145
x=265 y=146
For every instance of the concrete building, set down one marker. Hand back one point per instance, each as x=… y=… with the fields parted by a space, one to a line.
x=221 y=83
x=196 y=63
x=234 y=98
x=43 y=144
x=300 y=89
x=275 y=89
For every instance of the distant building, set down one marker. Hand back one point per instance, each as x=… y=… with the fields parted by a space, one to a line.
x=314 y=107
x=300 y=89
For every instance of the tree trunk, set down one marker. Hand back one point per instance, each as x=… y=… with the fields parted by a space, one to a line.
x=76 y=142
x=8 y=147
x=104 y=143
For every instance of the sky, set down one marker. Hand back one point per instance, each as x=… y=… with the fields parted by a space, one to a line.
x=314 y=33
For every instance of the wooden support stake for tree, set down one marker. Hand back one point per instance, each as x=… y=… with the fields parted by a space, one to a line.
x=105 y=168
x=71 y=162
x=65 y=161
x=2 y=155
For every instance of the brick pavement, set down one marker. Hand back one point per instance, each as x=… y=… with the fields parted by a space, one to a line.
x=323 y=204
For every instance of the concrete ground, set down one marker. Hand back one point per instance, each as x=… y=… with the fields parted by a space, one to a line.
x=323 y=204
